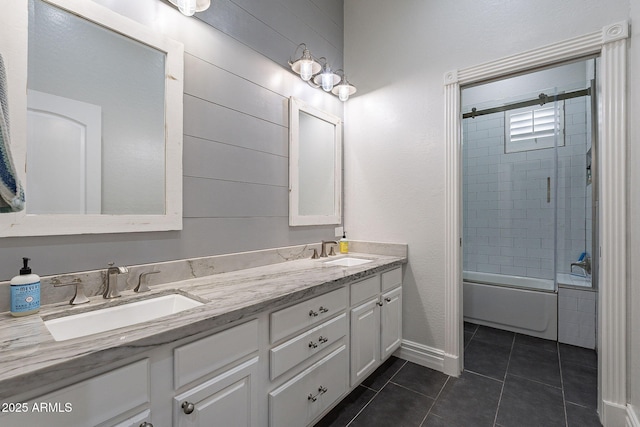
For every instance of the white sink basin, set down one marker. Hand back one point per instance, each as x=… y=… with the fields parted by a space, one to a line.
x=106 y=319
x=348 y=261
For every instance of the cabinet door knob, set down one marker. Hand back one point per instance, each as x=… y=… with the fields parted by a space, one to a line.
x=380 y=303
x=188 y=407
x=323 y=310
x=313 y=313
x=146 y=424
x=387 y=299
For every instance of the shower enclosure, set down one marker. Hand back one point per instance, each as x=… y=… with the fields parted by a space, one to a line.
x=528 y=206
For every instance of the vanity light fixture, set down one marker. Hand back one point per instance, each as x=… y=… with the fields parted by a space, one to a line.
x=344 y=90
x=326 y=79
x=318 y=74
x=189 y=7
x=306 y=65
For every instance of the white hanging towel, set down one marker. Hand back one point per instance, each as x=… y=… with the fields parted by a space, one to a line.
x=11 y=192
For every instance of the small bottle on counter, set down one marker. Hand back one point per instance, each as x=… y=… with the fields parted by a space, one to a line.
x=344 y=244
x=25 y=292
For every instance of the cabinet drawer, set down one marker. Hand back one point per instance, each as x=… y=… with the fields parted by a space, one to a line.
x=365 y=289
x=289 y=354
x=227 y=400
x=299 y=401
x=307 y=313
x=199 y=358
x=90 y=402
x=391 y=279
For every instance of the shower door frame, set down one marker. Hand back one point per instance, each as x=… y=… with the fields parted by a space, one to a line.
x=611 y=45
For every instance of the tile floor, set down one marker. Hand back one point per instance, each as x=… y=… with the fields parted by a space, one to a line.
x=510 y=380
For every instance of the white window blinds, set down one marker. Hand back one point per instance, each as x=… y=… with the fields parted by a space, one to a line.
x=533 y=128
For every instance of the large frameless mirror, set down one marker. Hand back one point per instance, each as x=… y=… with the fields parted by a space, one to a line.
x=100 y=139
x=315 y=165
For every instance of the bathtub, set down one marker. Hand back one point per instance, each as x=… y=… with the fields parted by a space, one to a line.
x=520 y=304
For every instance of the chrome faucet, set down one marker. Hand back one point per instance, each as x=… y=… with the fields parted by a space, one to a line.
x=112 y=281
x=585 y=264
x=323 y=254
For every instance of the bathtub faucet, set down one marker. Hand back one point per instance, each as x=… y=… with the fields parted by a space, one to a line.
x=585 y=264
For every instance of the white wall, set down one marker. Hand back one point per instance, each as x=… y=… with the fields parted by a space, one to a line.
x=394 y=152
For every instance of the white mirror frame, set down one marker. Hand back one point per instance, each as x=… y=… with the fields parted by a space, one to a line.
x=13 y=45
x=295 y=218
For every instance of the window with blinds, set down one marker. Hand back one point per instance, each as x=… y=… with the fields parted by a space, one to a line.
x=534 y=128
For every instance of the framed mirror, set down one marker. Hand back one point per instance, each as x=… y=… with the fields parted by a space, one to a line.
x=315 y=165
x=96 y=120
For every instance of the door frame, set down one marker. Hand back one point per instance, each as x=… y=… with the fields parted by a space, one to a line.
x=611 y=45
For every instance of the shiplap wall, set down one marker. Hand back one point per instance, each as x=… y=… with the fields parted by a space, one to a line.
x=235 y=164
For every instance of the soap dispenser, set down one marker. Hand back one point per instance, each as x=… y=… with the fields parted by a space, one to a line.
x=25 y=292
x=344 y=244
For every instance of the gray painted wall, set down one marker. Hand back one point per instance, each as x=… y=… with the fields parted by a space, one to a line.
x=235 y=163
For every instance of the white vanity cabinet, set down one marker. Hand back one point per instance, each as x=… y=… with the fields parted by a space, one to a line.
x=376 y=322
x=310 y=369
x=228 y=398
x=104 y=400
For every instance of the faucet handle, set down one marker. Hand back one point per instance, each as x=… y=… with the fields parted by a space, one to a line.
x=143 y=286
x=79 y=297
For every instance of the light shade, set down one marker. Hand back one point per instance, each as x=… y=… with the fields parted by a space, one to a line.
x=327 y=79
x=189 y=7
x=306 y=66
x=344 y=90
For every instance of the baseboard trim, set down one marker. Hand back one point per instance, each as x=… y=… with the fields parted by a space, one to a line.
x=613 y=414
x=633 y=418
x=422 y=355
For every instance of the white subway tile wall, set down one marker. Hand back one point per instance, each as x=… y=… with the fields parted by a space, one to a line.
x=508 y=223
x=577 y=317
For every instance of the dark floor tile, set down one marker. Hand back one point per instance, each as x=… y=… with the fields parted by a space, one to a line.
x=467 y=338
x=487 y=359
x=578 y=355
x=348 y=408
x=470 y=400
x=535 y=364
x=380 y=376
x=580 y=384
x=527 y=403
x=578 y=416
x=435 y=421
x=494 y=336
x=394 y=406
x=541 y=343
x=420 y=379
x=470 y=327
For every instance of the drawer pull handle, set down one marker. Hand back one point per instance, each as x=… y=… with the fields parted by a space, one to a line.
x=321 y=390
x=188 y=407
x=313 y=313
x=312 y=344
x=387 y=299
x=322 y=339
x=323 y=310
x=146 y=424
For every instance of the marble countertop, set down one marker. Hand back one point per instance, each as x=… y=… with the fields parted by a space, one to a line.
x=31 y=358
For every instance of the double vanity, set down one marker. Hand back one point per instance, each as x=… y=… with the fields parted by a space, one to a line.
x=271 y=345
